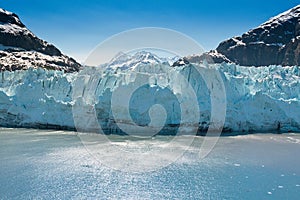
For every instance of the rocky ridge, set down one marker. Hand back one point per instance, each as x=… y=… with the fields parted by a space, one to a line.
x=21 y=49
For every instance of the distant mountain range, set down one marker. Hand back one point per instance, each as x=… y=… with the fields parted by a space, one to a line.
x=130 y=61
x=20 y=48
x=275 y=42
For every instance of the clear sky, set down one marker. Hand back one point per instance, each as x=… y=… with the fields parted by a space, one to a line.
x=77 y=26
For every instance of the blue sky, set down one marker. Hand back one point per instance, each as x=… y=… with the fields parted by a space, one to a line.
x=77 y=26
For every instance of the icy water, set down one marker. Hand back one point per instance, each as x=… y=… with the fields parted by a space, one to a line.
x=39 y=164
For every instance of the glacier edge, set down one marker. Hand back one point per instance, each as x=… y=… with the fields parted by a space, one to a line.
x=264 y=99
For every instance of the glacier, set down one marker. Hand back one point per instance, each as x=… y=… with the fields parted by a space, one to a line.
x=258 y=99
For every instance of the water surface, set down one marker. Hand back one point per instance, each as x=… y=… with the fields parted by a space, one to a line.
x=39 y=164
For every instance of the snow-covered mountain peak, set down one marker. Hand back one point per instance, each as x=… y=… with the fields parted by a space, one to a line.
x=283 y=17
x=145 y=56
x=130 y=61
x=119 y=58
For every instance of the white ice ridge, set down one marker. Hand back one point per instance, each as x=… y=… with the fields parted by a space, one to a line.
x=258 y=99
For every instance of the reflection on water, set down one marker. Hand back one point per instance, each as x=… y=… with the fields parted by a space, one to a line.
x=55 y=164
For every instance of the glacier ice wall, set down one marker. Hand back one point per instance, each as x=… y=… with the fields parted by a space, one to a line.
x=36 y=98
x=258 y=99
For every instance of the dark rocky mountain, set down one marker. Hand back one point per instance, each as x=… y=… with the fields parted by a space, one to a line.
x=20 y=48
x=275 y=42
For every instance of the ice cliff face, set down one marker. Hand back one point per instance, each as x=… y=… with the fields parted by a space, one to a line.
x=258 y=99
x=36 y=98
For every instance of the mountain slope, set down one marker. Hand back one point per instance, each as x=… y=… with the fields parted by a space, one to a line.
x=275 y=42
x=20 y=48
